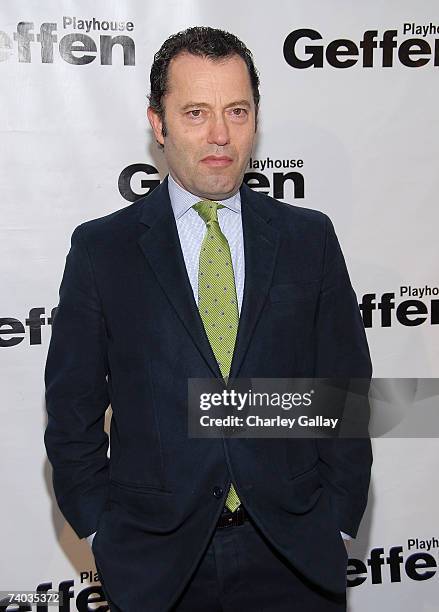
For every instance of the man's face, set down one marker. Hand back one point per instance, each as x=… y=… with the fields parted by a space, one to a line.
x=210 y=123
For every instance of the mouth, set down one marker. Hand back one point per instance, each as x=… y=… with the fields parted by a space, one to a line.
x=217 y=161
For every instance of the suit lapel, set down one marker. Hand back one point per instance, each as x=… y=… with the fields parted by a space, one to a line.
x=261 y=242
x=160 y=245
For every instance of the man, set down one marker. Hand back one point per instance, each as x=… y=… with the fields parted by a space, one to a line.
x=204 y=278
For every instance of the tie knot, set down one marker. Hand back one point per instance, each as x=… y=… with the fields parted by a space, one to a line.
x=208 y=210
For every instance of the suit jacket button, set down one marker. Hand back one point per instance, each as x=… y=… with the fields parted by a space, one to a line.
x=217 y=492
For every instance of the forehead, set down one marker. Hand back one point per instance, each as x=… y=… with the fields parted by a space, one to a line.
x=194 y=76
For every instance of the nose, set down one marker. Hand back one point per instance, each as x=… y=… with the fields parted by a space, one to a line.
x=218 y=131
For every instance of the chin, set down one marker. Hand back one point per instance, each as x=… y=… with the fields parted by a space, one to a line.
x=219 y=186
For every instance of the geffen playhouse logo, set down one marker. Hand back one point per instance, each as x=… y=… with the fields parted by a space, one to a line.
x=76 y=41
x=410 y=306
x=412 y=46
x=280 y=178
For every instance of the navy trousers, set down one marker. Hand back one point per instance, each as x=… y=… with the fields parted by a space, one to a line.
x=242 y=572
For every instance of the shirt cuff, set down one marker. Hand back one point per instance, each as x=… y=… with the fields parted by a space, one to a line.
x=90 y=538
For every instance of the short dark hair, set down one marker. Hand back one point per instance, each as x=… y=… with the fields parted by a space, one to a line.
x=204 y=42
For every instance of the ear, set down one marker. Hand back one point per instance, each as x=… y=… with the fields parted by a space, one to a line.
x=156 y=124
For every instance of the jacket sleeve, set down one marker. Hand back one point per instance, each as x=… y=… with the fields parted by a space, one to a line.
x=342 y=352
x=77 y=395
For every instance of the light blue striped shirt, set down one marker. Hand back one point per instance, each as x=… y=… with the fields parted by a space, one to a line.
x=192 y=229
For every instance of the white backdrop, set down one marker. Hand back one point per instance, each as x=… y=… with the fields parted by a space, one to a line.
x=72 y=133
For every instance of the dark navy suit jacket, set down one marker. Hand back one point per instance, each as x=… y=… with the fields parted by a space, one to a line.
x=127 y=331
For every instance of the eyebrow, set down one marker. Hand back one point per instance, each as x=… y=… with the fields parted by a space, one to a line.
x=205 y=105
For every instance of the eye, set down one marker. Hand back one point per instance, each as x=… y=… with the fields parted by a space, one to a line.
x=239 y=112
x=194 y=113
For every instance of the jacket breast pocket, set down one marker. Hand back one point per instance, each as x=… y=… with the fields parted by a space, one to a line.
x=297 y=291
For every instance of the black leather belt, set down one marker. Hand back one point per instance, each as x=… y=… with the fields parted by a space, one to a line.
x=232 y=519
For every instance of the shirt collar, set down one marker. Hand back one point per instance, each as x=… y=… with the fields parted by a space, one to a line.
x=182 y=200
